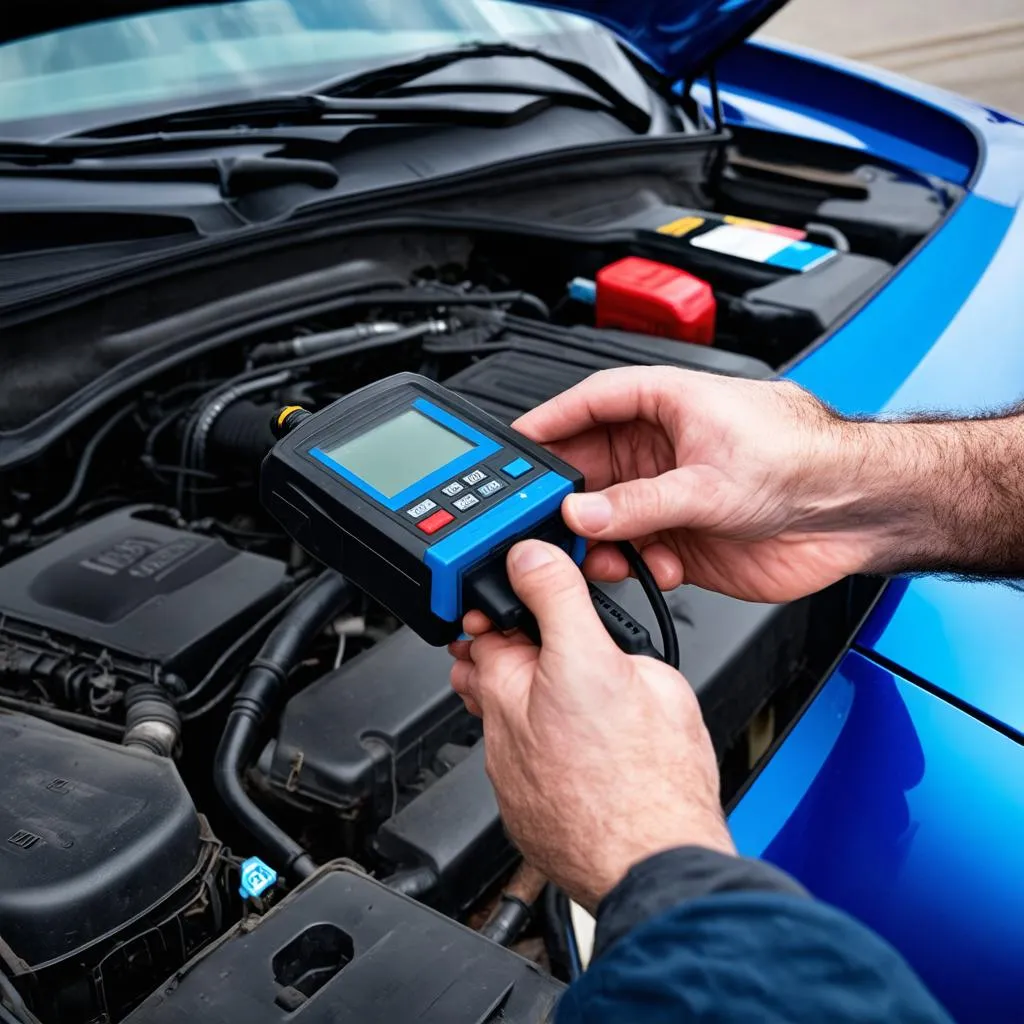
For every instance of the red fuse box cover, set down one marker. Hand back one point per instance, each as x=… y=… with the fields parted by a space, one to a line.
x=653 y=298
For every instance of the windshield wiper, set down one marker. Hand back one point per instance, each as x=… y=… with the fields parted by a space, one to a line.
x=380 y=81
x=234 y=176
x=310 y=119
x=385 y=95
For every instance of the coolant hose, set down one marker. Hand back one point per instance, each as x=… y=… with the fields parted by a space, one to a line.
x=515 y=906
x=151 y=720
x=414 y=882
x=258 y=698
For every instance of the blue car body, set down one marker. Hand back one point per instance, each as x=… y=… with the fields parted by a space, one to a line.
x=897 y=794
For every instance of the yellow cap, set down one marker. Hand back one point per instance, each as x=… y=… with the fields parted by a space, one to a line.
x=286 y=412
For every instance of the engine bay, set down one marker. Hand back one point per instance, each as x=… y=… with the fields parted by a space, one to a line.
x=140 y=581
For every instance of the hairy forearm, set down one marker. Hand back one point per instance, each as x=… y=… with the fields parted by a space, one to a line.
x=934 y=495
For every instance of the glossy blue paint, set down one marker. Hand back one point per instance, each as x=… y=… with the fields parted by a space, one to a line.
x=864 y=365
x=748 y=107
x=676 y=36
x=877 y=111
x=908 y=813
x=901 y=124
x=966 y=639
x=885 y=799
x=945 y=332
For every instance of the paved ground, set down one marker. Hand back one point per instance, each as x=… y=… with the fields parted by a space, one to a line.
x=974 y=48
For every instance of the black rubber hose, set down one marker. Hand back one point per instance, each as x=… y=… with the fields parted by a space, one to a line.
x=414 y=882
x=523 y=892
x=67 y=503
x=257 y=700
x=560 y=936
x=151 y=720
x=241 y=437
x=509 y=920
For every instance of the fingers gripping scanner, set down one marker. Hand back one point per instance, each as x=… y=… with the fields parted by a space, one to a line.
x=415 y=495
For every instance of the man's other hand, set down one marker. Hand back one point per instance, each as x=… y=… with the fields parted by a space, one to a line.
x=744 y=487
x=599 y=760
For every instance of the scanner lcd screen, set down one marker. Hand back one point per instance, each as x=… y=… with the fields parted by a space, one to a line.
x=396 y=454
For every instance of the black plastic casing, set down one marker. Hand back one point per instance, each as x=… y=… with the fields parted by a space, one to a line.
x=347 y=530
x=454 y=830
x=344 y=949
x=369 y=727
x=532 y=370
x=139 y=591
x=109 y=879
x=82 y=819
x=359 y=740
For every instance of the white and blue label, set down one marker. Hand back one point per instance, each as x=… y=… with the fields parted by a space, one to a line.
x=764 y=247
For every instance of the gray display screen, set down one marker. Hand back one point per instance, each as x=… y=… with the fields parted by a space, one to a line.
x=398 y=453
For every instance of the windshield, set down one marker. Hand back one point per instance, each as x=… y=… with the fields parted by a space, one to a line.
x=89 y=74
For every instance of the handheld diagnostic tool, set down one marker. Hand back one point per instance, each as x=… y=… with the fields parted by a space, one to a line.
x=416 y=495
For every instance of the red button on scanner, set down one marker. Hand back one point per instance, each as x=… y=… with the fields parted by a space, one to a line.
x=438 y=521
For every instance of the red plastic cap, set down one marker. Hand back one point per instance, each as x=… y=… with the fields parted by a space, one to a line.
x=653 y=298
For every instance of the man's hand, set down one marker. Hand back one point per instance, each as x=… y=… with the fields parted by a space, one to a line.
x=599 y=760
x=733 y=485
x=758 y=490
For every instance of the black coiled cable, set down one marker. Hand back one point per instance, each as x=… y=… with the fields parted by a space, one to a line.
x=662 y=612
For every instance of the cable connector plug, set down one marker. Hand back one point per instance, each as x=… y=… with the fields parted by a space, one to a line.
x=487 y=589
x=628 y=634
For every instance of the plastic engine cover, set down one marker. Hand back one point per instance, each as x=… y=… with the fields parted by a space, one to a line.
x=351 y=737
x=91 y=836
x=138 y=589
x=454 y=829
x=344 y=949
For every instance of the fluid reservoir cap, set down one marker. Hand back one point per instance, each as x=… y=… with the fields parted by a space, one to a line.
x=257 y=878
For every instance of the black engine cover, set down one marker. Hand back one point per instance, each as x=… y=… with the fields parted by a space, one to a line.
x=91 y=836
x=344 y=949
x=135 y=590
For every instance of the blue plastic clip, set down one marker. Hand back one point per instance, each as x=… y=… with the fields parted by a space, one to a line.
x=582 y=289
x=257 y=878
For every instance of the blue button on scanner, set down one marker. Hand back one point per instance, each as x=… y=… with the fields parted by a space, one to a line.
x=517 y=468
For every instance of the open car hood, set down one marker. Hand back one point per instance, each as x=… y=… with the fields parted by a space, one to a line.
x=680 y=37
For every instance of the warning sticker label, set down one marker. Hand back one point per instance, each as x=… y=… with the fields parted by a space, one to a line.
x=763 y=247
x=760 y=225
x=680 y=227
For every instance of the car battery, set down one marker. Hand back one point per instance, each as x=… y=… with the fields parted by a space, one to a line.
x=642 y=296
x=765 y=271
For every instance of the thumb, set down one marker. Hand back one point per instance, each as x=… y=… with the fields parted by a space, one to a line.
x=640 y=507
x=551 y=585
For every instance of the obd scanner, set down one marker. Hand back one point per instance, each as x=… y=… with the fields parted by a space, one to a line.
x=415 y=495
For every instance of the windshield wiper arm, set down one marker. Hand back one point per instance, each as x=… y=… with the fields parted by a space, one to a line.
x=289 y=118
x=379 y=82
x=234 y=177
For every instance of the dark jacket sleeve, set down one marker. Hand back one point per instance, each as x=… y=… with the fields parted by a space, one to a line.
x=693 y=935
